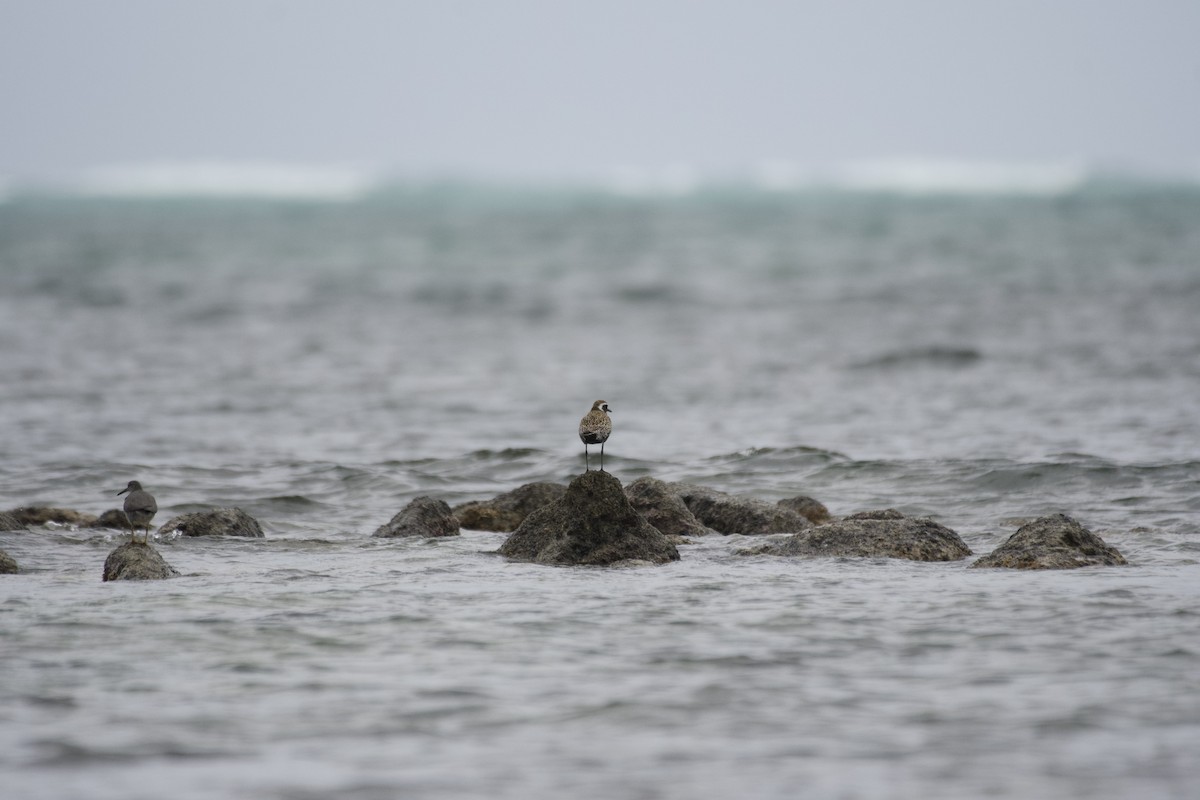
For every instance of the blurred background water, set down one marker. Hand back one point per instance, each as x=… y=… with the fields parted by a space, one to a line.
x=979 y=358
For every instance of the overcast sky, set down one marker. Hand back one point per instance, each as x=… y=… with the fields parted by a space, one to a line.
x=535 y=89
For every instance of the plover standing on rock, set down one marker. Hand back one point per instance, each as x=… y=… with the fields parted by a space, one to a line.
x=140 y=508
x=594 y=428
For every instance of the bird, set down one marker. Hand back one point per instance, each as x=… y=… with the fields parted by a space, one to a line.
x=140 y=508
x=595 y=428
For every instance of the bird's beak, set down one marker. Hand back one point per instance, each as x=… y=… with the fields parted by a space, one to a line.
x=123 y=491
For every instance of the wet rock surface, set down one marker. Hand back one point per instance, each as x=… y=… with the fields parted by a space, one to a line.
x=113 y=518
x=8 y=564
x=663 y=508
x=811 y=509
x=135 y=561
x=506 y=512
x=592 y=524
x=872 y=534
x=1053 y=542
x=10 y=522
x=425 y=517
x=727 y=513
x=36 y=516
x=215 y=522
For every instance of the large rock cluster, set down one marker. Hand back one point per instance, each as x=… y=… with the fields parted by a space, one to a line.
x=596 y=521
x=593 y=523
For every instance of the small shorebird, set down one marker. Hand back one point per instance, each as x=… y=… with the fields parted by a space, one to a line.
x=594 y=428
x=140 y=508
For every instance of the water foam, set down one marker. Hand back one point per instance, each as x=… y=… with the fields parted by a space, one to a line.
x=215 y=178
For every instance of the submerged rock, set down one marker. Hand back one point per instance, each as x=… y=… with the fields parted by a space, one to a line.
x=10 y=522
x=135 y=561
x=215 y=522
x=1053 y=542
x=8 y=564
x=663 y=508
x=424 y=516
x=812 y=510
x=507 y=511
x=594 y=524
x=727 y=513
x=35 y=516
x=872 y=534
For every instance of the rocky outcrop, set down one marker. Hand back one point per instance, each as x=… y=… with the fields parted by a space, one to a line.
x=507 y=511
x=727 y=513
x=592 y=524
x=36 y=516
x=424 y=516
x=10 y=522
x=215 y=522
x=1054 y=542
x=812 y=510
x=135 y=561
x=8 y=564
x=663 y=508
x=872 y=534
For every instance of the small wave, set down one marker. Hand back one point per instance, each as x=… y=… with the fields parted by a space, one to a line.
x=648 y=293
x=507 y=454
x=934 y=356
x=941 y=176
x=777 y=453
x=71 y=754
x=297 y=501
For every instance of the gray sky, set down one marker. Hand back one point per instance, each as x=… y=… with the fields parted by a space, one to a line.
x=525 y=88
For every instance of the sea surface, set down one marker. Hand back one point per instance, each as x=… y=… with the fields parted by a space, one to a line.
x=979 y=358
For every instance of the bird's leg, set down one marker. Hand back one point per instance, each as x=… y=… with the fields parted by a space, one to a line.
x=602 y=456
x=586 y=466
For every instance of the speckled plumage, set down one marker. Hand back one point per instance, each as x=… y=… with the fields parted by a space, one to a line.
x=140 y=508
x=595 y=428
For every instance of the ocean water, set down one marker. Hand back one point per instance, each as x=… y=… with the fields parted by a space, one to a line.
x=982 y=359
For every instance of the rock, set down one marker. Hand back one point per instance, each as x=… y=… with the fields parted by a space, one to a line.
x=593 y=523
x=113 y=518
x=35 y=516
x=215 y=522
x=10 y=522
x=872 y=534
x=507 y=511
x=135 y=561
x=8 y=564
x=812 y=510
x=424 y=516
x=729 y=513
x=664 y=508
x=1053 y=542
